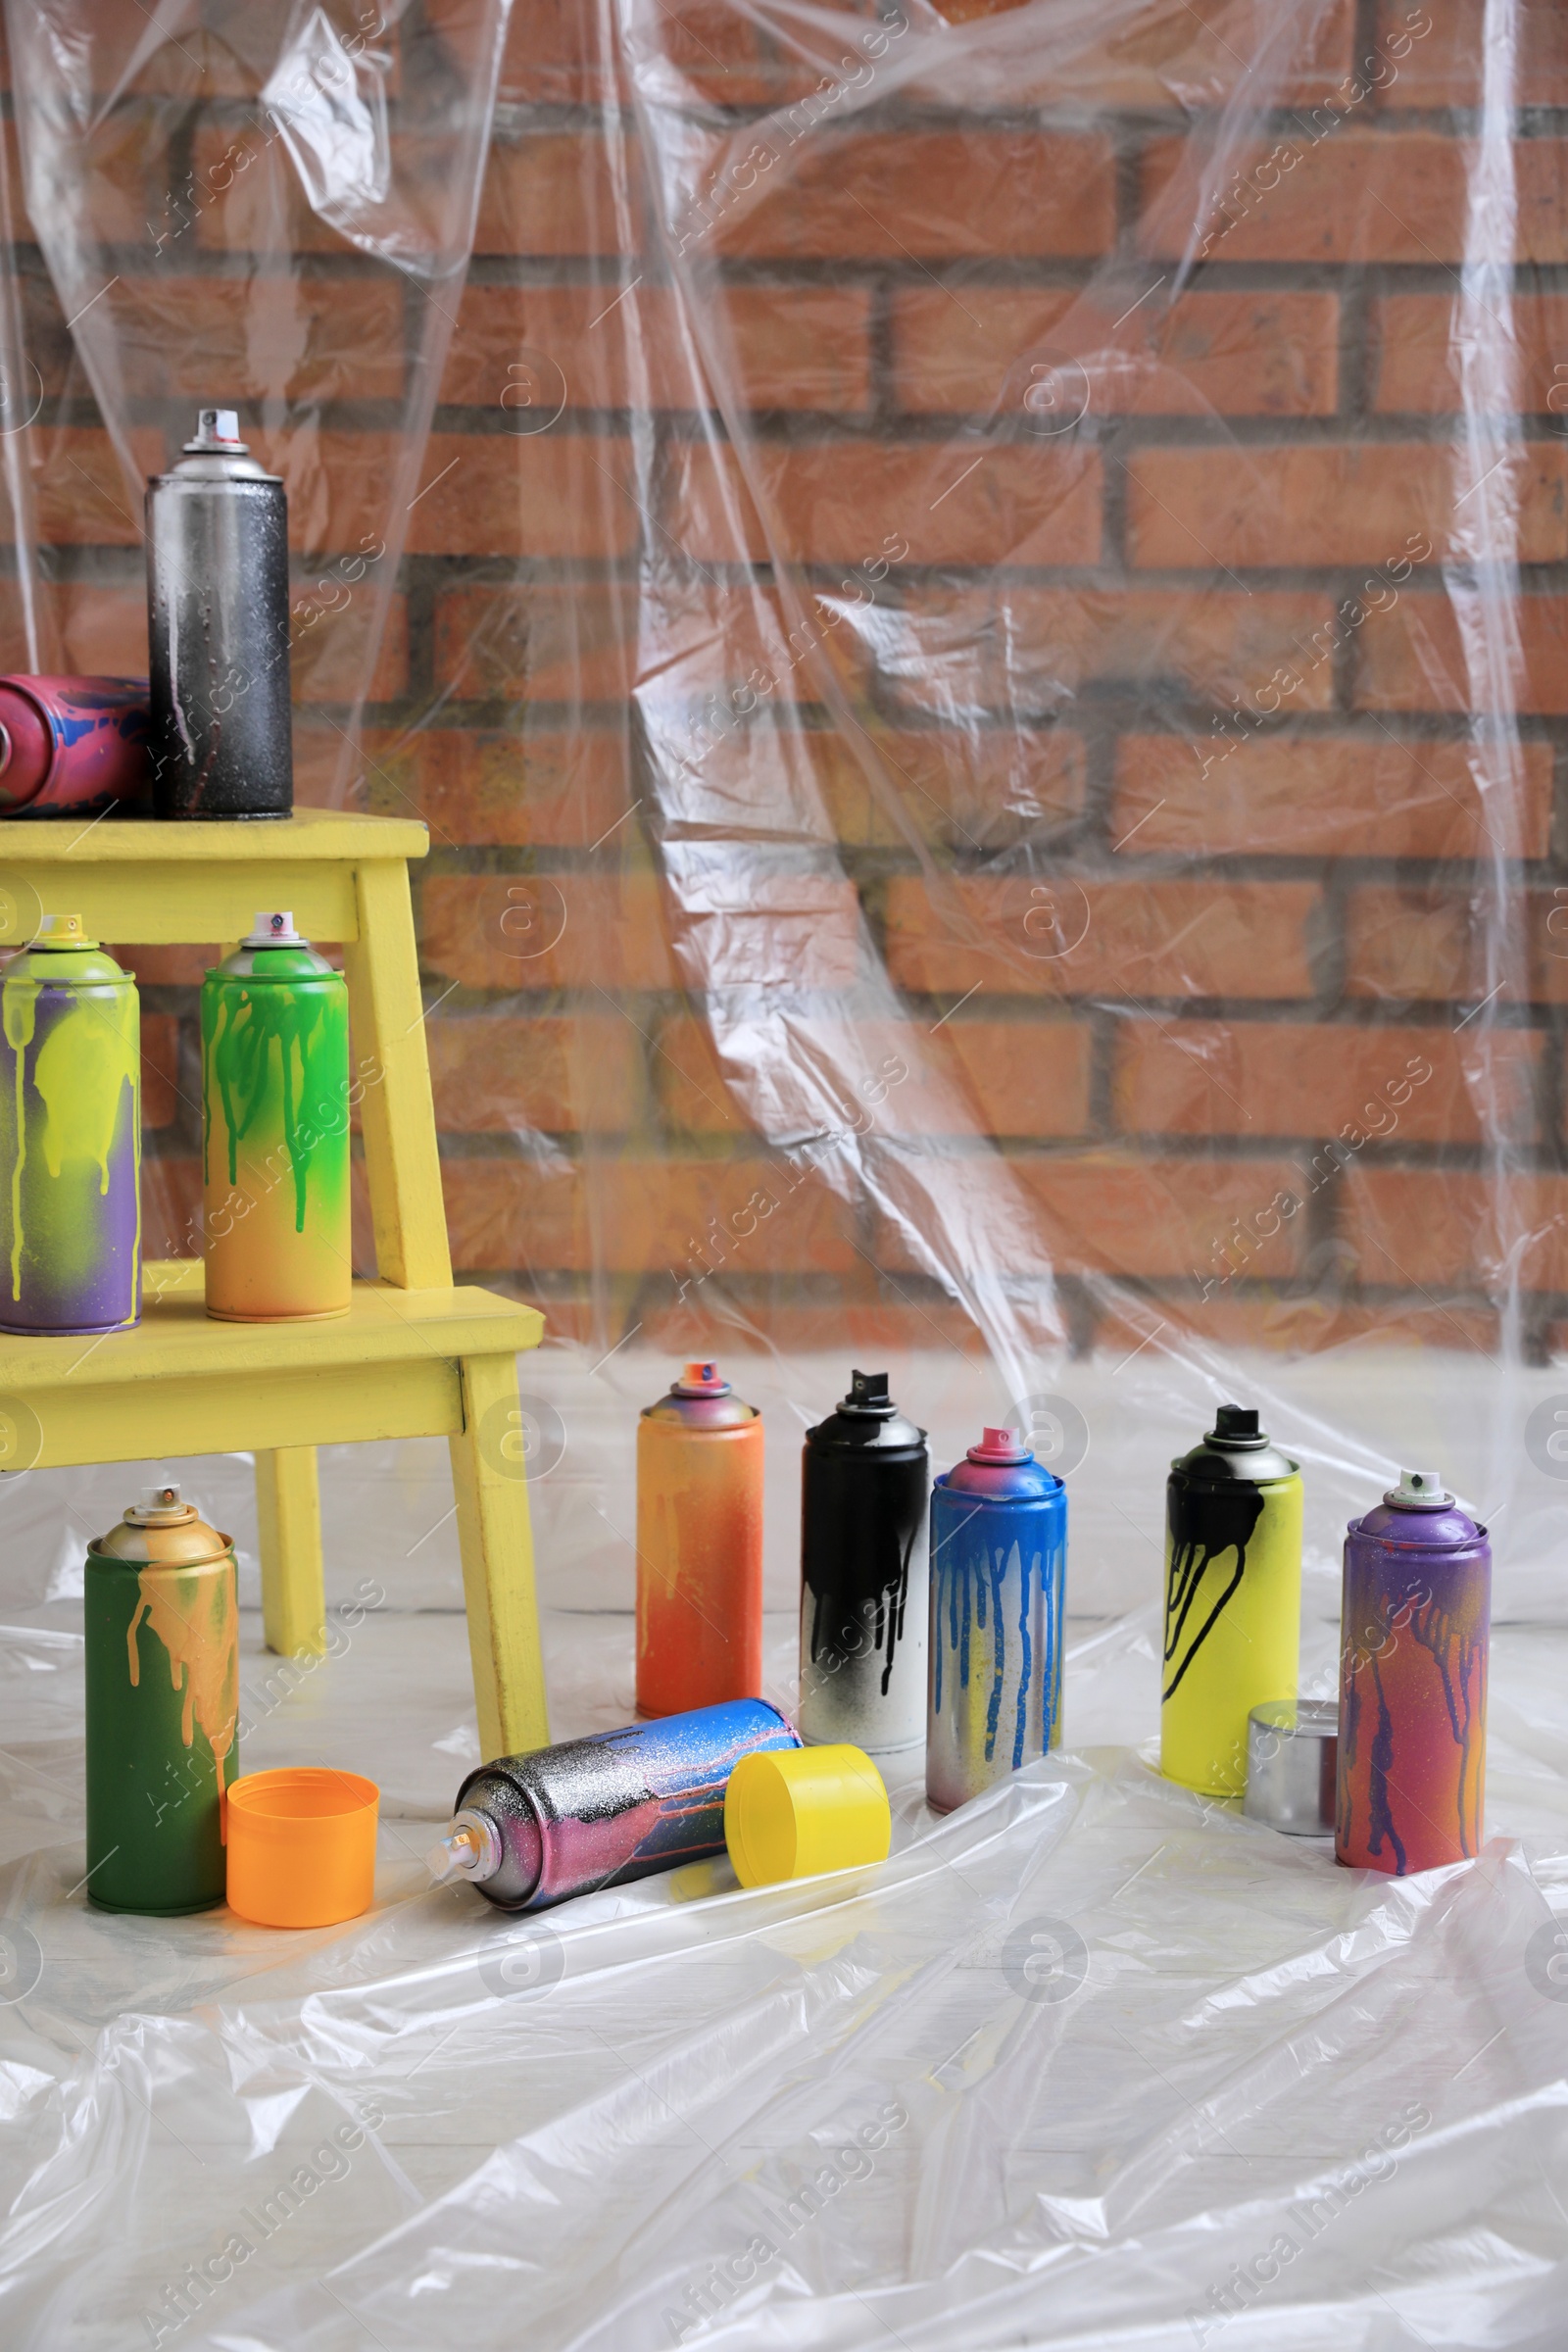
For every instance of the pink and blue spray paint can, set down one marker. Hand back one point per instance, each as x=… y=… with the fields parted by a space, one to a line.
x=999 y=1570
x=1413 y=1639
x=534 y=1829
x=71 y=743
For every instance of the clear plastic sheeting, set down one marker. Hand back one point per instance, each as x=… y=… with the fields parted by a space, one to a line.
x=973 y=602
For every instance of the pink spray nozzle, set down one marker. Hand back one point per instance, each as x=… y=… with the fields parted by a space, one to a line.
x=702 y=1380
x=999 y=1445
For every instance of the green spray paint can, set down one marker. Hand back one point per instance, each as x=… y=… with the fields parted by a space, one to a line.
x=163 y=1707
x=275 y=1131
x=70 y=1137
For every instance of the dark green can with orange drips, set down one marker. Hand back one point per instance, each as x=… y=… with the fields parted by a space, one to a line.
x=275 y=1131
x=162 y=1625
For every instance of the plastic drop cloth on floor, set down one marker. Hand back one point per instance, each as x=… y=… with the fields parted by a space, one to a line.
x=1089 y=2062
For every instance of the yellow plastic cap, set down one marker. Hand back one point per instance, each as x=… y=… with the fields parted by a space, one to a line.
x=302 y=1847
x=793 y=1812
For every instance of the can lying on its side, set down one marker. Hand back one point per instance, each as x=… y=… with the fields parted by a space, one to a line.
x=71 y=743
x=534 y=1829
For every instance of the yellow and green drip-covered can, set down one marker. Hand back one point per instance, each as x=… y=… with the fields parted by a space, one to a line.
x=70 y=1137
x=275 y=1131
x=1233 y=1600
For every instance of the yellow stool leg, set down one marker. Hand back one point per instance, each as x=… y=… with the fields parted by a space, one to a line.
x=288 y=1513
x=496 y=1548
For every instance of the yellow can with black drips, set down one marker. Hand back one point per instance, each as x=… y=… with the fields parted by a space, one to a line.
x=1233 y=1600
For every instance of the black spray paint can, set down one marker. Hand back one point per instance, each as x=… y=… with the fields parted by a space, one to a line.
x=865 y=1476
x=218 y=631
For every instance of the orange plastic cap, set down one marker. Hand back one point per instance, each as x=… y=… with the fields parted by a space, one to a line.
x=302 y=1847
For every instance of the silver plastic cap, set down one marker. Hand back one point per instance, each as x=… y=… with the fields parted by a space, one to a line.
x=1293 y=1750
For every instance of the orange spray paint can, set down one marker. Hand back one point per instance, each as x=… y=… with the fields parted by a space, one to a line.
x=698 y=1546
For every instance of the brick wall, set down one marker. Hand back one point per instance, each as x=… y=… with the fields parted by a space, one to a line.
x=1049 y=723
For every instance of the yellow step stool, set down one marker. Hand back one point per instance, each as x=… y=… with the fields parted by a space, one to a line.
x=413 y=1356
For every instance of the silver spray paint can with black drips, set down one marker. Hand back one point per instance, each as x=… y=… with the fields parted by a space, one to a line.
x=219 y=740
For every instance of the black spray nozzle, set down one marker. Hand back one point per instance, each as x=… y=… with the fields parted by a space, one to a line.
x=868 y=1392
x=1236 y=1425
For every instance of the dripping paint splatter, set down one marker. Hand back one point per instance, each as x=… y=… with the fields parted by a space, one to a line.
x=998 y=1589
x=193 y=1614
x=1205 y=1523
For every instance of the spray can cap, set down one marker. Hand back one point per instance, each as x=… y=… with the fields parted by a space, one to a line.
x=470 y=1847
x=160 y=1507
x=1001 y=1446
x=215 y=428
x=62 y=931
x=700 y=1379
x=1236 y=1424
x=1419 y=1491
x=868 y=1393
x=273 y=931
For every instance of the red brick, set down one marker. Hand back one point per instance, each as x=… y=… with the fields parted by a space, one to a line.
x=933 y=194
x=247 y=197
x=1105 y=1212
x=849 y=502
x=971 y=1078
x=232 y=338
x=533 y=643
x=160 y=1069
x=483 y=786
x=1026 y=651
x=1151 y=939
x=562 y=1073
x=121 y=183
x=556 y=193
x=1209 y=354
x=171 y=1206
x=787 y=347
x=541 y=494
x=603 y=931
x=1412 y=1226
x=555 y=55
x=858 y=1323
x=985 y=790
x=1442 y=67
x=166 y=967
x=1294 y=1078
x=1416 y=369
x=592 y=931
x=1359 y=195
x=1160 y=57
x=81 y=498
x=651 y=1216
x=362 y=648
x=1192 y=507
x=1411 y=658
x=87 y=631
x=1318 y=796
x=1431 y=944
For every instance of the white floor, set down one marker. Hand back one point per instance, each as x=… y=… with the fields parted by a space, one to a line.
x=829 y=2117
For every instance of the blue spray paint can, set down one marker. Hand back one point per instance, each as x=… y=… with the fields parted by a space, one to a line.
x=999 y=1572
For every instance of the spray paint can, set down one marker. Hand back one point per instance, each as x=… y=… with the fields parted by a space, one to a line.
x=70 y=1137
x=698 y=1546
x=864 y=1479
x=217 y=630
x=163 y=1707
x=531 y=1831
x=71 y=743
x=275 y=1131
x=998 y=1573
x=1413 y=1682
x=1233 y=1600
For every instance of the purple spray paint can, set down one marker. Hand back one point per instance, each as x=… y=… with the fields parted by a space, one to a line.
x=71 y=743
x=534 y=1829
x=1413 y=1641
x=70 y=1137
